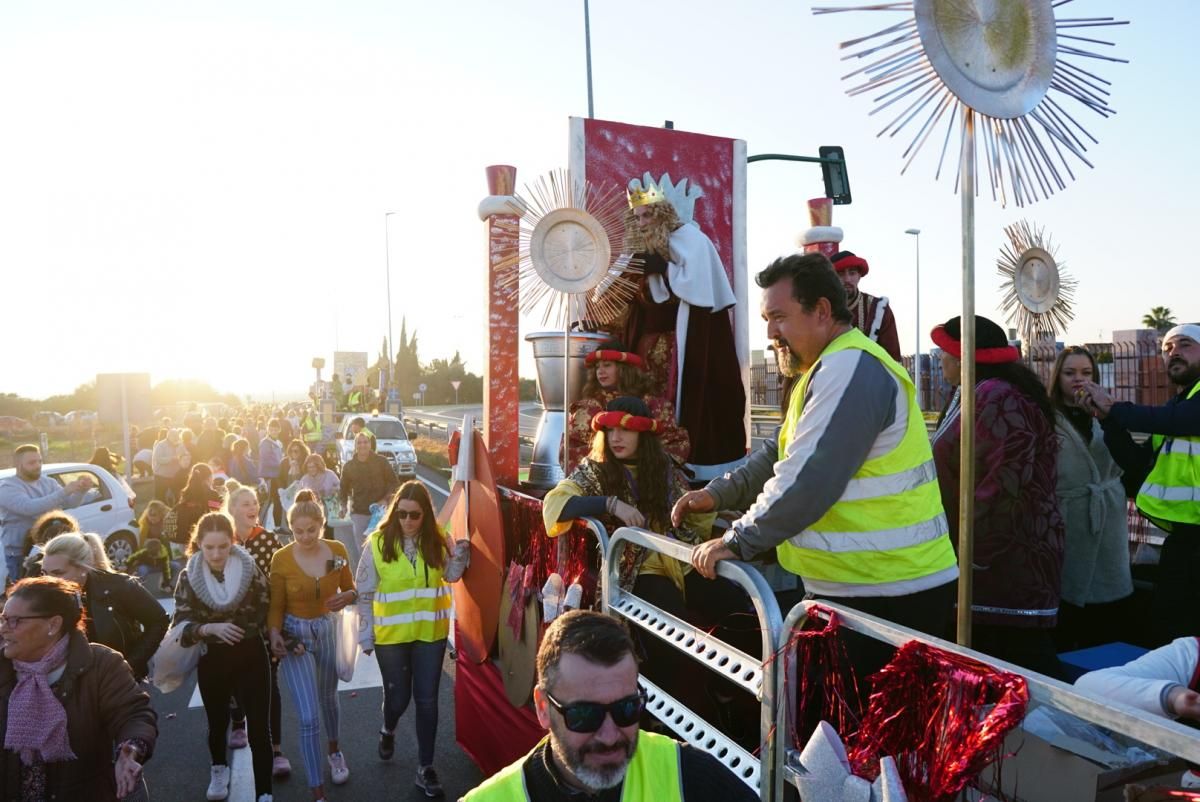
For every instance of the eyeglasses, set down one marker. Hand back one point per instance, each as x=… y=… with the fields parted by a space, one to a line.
x=14 y=621
x=414 y=514
x=589 y=716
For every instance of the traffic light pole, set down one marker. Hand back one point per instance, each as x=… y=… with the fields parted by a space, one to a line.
x=833 y=170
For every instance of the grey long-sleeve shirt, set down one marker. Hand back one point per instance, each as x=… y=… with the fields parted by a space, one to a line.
x=854 y=410
x=21 y=503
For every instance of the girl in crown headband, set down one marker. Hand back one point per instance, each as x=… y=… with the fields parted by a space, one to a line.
x=628 y=480
x=613 y=371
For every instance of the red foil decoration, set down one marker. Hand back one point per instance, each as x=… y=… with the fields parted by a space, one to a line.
x=513 y=586
x=827 y=688
x=943 y=717
x=526 y=536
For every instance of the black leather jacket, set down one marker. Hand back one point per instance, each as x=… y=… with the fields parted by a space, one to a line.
x=123 y=615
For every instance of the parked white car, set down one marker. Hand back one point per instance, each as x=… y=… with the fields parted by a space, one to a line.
x=391 y=442
x=107 y=509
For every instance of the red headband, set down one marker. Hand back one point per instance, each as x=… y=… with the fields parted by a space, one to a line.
x=606 y=355
x=847 y=262
x=984 y=356
x=623 y=420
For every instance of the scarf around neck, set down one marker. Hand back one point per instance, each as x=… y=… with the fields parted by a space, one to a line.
x=214 y=594
x=37 y=722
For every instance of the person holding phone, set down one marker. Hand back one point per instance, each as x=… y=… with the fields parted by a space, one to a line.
x=310 y=581
x=222 y=599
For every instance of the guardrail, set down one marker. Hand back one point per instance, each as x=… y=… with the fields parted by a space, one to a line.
x=1155 y=731
x=445 y=429
x=755 y=675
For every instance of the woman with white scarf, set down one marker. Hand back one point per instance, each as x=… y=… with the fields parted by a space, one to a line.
x=222 y=600
x=66 y=704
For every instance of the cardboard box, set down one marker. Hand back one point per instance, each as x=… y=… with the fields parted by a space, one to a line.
x=1037 y=771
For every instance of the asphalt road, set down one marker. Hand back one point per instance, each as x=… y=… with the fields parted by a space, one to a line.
x=180 y=767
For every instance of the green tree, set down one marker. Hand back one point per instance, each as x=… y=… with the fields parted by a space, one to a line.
x=1160 y=319
x=408 y=365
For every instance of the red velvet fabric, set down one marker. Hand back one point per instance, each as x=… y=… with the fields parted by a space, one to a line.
x=492 y=732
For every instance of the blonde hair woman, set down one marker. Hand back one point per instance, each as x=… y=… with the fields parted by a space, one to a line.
x=120 y=613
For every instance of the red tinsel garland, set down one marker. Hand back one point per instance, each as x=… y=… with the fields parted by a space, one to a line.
x=827 y=688
x=538 y=553
x=943 y=717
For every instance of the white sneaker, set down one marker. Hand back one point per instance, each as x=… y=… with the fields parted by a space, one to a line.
x=218 y=785
x=338 y=768
x=266 y=798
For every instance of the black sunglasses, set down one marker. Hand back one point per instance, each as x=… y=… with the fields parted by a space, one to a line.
x=414 y=514
x=589 y=716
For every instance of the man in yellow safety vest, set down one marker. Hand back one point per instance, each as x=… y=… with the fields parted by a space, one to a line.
x=1164 y=475
x=587 y=696
x=847 y=491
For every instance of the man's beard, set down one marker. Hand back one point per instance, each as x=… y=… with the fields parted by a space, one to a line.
x=31 y=475
x=592 y=779
x=787 y=361
x=851 y=294
x=1189 y=375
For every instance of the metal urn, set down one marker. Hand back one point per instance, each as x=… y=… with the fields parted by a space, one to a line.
x=546 y=469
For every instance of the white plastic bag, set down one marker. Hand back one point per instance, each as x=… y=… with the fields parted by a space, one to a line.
x=347 y=648
x=174 y=662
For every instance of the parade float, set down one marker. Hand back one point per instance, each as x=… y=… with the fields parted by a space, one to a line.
x=942 y=716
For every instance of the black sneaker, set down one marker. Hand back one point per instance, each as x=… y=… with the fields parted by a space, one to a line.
x=427 y=781
x=387 y=745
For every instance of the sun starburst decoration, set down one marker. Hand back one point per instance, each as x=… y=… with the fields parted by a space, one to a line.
x=1005 y=63
x=569 y=265
x=1038 y=292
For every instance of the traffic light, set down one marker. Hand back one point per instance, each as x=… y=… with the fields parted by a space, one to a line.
x=837 y=180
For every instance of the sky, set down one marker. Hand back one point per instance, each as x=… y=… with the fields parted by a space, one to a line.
x=198 y=190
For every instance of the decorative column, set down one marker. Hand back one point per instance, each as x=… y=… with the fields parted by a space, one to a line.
x=501 y=402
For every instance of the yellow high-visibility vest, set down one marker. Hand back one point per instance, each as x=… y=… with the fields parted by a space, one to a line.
x=653 y=775
x=412 y=602
x=1171 y=492
x=888 y=529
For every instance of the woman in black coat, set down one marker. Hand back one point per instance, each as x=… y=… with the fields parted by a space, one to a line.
x=66 y=705
x=121 y=613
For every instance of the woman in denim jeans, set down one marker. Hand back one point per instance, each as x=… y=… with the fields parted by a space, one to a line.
x=404 y=610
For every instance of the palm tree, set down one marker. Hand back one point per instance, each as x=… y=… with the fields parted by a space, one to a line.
x=1160 y=319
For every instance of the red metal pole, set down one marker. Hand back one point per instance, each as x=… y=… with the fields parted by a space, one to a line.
x=501 y=403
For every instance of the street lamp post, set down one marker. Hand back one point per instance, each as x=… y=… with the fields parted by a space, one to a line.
x=916 y=232
x=387 y=259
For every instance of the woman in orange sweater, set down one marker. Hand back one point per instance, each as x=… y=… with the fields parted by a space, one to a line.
x=310 y=580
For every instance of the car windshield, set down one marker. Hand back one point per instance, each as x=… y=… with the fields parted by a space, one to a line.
x=388 y=429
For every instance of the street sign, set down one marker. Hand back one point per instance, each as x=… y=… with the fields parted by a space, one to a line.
x=422 y=387
x=455 y=383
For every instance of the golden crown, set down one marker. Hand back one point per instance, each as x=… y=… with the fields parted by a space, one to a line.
x=639 y=196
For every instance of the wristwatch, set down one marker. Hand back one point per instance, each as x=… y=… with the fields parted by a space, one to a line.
x=730 y=539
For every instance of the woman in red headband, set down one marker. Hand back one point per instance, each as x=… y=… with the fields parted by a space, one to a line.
x=613 y=371
x=628 y=480
x=1018 y=529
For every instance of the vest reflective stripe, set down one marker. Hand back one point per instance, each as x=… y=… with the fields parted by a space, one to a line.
x=408 y=618
x=405 y=607
x=887 y=531
x=1172 y=489
x=416 y=593
x=311 y=429
x=653 y=775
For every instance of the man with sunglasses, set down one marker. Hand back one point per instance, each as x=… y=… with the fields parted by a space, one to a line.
x=588 y=698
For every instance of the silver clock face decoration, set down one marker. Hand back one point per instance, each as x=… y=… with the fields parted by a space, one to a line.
x=1038 y=294
x=997 y=56
x=1036 y=281
x=569 y=266
x=570 y=250
x=1013 y=70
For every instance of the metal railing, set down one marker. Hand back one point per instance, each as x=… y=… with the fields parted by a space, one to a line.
x=752 y=674
x=1131 y=370
x=1155 y=731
